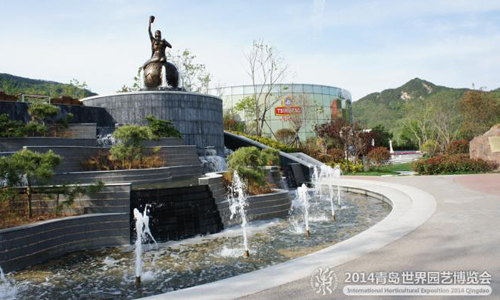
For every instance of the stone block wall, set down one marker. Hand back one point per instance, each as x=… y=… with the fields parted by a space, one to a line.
x=81 y=114
x=260 y=207
x=16 y=144
x=198 y=117
x=111 y=198
x=31 y=244
x=82 y=131
x=178 y=213
x=139 y=178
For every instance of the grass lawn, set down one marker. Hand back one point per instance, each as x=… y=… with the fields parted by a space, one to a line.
x=384 y=170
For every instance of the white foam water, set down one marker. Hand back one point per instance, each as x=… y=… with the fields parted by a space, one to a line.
x=142 y=231
x=8 y=288
x=304 y=201
x=237 y=205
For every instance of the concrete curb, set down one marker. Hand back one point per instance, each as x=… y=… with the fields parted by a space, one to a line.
x=411 y=207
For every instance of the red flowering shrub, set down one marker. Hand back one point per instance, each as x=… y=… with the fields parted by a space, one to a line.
x=379 y=156
x=458 y=147
x=452 y=164
x=336 y=155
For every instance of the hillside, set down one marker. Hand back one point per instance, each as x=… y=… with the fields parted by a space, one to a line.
x=14 y=85
x=389 y=107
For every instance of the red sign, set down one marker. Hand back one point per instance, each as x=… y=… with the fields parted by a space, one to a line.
x=287 y=110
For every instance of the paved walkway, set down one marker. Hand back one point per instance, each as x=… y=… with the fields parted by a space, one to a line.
x=462 y=235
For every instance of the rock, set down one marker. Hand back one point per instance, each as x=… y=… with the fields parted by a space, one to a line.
x=487 y=146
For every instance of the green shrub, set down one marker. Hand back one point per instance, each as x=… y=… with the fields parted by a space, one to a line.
x=351 y=168
x=232 y=122
x=285 y=136
x=35 y=129
x=162 y=128
x=271 y=157
x=458 y=147
x=131 y=144
x=9 y=128
x=379 y=156
x=249 y=162
x=452 y=164
x=431 y=148
x=28 y=168
x=41 y=112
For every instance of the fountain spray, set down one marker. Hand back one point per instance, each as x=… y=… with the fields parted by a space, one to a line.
x=142 y=232
x=304 y=199
x=336 y=173
x=315 y=180
x=237 y=206
x=330 y=187
x=8 y=288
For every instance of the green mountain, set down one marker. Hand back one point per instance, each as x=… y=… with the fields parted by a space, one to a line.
x=14 y=85
x=389 y=107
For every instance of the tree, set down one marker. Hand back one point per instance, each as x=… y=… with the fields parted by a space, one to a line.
x=232 y=121
x=381 y=136
x=194 y=76
x=247 y=106
x=136 y=86
x=341 y=134
x=249 y=162
x=162 y=128
x=379 y=156
x=76 y=89
x=41 y=112
x=479 y=111
x=445 y=119
x=309 y=112
x=28 y=168
x=11 y=128
x=417 y=124
x=131 y=144
x=286 y=136
x=266 y=69
x=43 y=120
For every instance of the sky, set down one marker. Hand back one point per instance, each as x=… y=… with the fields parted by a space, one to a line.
x=363 y=46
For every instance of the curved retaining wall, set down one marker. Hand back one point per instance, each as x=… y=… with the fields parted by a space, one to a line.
x=198 y=117
x=15 y=144
x=75 y=156
x=31 y=244
x=81 y=114
x=139 y=178
x=260 y=207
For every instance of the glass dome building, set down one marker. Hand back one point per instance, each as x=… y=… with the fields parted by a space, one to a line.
x=312 y=103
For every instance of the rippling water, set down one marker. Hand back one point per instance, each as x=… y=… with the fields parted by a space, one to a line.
x=109 y=273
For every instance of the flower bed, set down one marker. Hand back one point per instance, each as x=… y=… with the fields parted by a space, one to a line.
x=452 y=164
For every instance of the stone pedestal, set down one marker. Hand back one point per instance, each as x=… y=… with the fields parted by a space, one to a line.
x=487 y=146
x=198 y=117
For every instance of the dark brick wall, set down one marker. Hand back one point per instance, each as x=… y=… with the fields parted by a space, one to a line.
x=261 y=207
x=81 y=114
x=178 y=213
x=198 y=117
x=15 y=144
x=23 y=246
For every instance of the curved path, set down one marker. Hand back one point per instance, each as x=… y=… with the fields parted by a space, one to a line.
x=462 y=235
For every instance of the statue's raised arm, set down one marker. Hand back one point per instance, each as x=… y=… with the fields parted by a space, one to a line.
x=153 y=66
x=151 y=20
